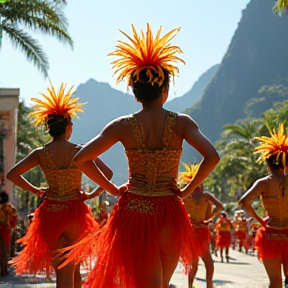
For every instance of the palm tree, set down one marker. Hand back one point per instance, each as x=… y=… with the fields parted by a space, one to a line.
x=45 y=16
x=281 y=6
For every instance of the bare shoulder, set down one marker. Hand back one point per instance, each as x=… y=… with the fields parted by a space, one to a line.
x=117 y=123
x=261 y=183
x=208 y=195
x=184 y=119
x=36 y=152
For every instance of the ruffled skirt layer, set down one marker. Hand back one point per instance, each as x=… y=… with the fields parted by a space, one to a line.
x=203 y=237
x=51 y=219
x=140 y=230
x=241 y=235
x=271 y=243
x=223 y=239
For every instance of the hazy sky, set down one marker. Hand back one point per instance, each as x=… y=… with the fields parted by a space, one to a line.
x=206 y=31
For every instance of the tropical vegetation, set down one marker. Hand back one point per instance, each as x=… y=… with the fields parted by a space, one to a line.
x=21 y=19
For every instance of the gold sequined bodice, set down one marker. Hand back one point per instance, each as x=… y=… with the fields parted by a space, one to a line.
x=223 y=225
x=196 y=209
x=276 y=204
x=63 y=184
x=153 y=172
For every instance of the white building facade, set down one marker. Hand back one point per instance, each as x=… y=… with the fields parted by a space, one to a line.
x=9 y=102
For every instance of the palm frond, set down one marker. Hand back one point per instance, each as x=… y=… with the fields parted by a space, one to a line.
x=25 y=12
x=29 y=46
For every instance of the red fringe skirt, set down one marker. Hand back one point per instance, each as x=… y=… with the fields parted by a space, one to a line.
x=5 y=233
x=241 y=235
x=50 y=221
x=203 y=237
x=271 y=243
x=223 y=239
x=129 y=245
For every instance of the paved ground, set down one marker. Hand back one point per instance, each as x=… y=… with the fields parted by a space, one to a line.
x=243 y=271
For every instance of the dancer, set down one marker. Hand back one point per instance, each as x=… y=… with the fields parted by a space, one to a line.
x=63 y=217
x=240 y=229
x=223 y=235
x=271 y=240
x=146 y=232
x=8 y=222
x=253 y=226
x=197 y=205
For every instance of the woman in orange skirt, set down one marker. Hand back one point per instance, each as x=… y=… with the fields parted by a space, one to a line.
x=196 y=206
x=63 y=217
x=146 y=232
x=223 y=235
x=271 y=241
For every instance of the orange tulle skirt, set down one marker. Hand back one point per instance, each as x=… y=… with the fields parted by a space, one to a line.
x=271 y=243
x=203 y=237
x=51 y=219
x=129 y=245
x=223 y=239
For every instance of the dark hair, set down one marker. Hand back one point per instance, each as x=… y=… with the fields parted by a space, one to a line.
x=146 y=91
x=275 y=163
x=224 y=214
x=4 y=197
x=57 y=124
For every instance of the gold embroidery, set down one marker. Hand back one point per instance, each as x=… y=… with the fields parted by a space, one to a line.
x=56 y=207
x=141 y=206
x=277 y=237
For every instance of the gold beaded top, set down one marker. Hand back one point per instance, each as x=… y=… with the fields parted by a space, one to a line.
x=153 y=172
x=64 y=184
x=196 y=209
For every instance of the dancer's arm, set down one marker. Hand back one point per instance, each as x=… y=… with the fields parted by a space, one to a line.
x=218 y=206
x=192 y=134
x=84 y=159
x=15 y=174
x=98 y=190
x=255 y=191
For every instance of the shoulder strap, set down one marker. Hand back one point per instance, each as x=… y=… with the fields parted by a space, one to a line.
x=169 y=128
x=136 y=131
x=46 y=158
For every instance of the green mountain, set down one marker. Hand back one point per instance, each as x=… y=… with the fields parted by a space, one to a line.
x=180 y=104
x=253 y=73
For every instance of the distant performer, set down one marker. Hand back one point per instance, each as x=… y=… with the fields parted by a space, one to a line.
x=223 y=235
x=271 y=241
x=196 y=206
x=239 y=223
x=8 y=222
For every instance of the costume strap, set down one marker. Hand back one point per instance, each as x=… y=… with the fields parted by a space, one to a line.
x=136 y=132
x=168 y=129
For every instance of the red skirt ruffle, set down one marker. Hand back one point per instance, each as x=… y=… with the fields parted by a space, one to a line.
x=223 y=239
x=5 y=233
x=241 y=235
x=270 y=243
x=50 y=221
x=129 y=242
x=203 y=237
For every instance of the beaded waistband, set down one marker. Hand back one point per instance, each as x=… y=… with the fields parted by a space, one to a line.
x=151 y=193
x=73 y=195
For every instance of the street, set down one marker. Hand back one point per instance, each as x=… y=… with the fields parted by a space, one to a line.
x=243 y=271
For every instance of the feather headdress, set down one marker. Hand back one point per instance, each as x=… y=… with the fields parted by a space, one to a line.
x=277 y=145
x=59 y=104
x=153 y=54
x=189 y=174
x=281 y=6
